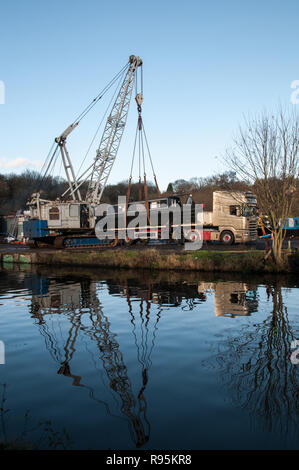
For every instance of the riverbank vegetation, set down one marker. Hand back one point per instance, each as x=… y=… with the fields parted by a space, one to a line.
x=251 y=261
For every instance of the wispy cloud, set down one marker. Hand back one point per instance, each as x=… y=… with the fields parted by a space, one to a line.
x=19 y=162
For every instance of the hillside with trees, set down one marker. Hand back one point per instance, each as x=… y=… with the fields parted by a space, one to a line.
x=15 y=190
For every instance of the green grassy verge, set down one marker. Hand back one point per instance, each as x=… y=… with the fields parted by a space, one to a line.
x=151 y=258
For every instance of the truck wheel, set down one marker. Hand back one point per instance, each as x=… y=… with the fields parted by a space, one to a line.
x=227 y=237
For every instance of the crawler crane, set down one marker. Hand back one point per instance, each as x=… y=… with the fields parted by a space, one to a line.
x=70 y=220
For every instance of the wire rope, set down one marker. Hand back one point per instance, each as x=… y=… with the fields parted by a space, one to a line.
x=99 y=126
x=100 y=95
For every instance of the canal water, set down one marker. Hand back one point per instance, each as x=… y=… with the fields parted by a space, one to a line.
x=123 y=360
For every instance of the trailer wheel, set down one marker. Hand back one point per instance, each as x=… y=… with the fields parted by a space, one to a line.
x=59 y=243
x=129 y=241
x=227 y=237
x=193 y=236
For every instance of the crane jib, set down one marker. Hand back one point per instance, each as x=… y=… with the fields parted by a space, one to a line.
x=112 y=135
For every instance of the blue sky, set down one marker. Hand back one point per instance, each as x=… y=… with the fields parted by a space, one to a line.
x=206 y=64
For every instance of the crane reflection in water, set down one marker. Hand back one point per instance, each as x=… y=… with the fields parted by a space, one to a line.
x=76 y=301
x=68 y=311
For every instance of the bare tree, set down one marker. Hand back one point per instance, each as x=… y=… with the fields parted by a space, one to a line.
x=266 y=154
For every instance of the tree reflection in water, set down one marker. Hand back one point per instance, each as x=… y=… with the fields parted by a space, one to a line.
x=72 y=306
x=258 y=372
x=255 y=365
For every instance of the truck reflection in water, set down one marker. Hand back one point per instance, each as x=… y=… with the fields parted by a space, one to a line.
x=231 y=298
x=255 y=367
x=77 y=302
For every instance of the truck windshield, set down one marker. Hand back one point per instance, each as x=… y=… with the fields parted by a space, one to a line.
x=249 y=211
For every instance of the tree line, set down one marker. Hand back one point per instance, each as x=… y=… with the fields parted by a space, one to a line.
x=15 y=190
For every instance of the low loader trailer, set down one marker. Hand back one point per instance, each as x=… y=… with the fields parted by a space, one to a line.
x=233 y=220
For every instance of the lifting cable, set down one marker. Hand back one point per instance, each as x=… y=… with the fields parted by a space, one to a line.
x=131 y=173
x=77 y=120
x=45 y=177
x=151 y=161
x=99 y=126
x=139 y=163
x=100 y=95
x=142 y=146
x=48 y=156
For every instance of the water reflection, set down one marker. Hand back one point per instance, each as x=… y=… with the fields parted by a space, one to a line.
x=253 y=361
x=231 y=298
x=256 y=367
x=77 y=300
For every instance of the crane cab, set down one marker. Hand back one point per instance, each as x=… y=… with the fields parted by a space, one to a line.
x=67 y=215
x=48 y=218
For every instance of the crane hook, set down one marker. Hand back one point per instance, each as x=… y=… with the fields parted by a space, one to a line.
x=139 y=100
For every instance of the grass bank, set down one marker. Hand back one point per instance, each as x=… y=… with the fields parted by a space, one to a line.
x=151 y=258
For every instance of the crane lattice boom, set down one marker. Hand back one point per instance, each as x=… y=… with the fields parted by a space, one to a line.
x=112 y=135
